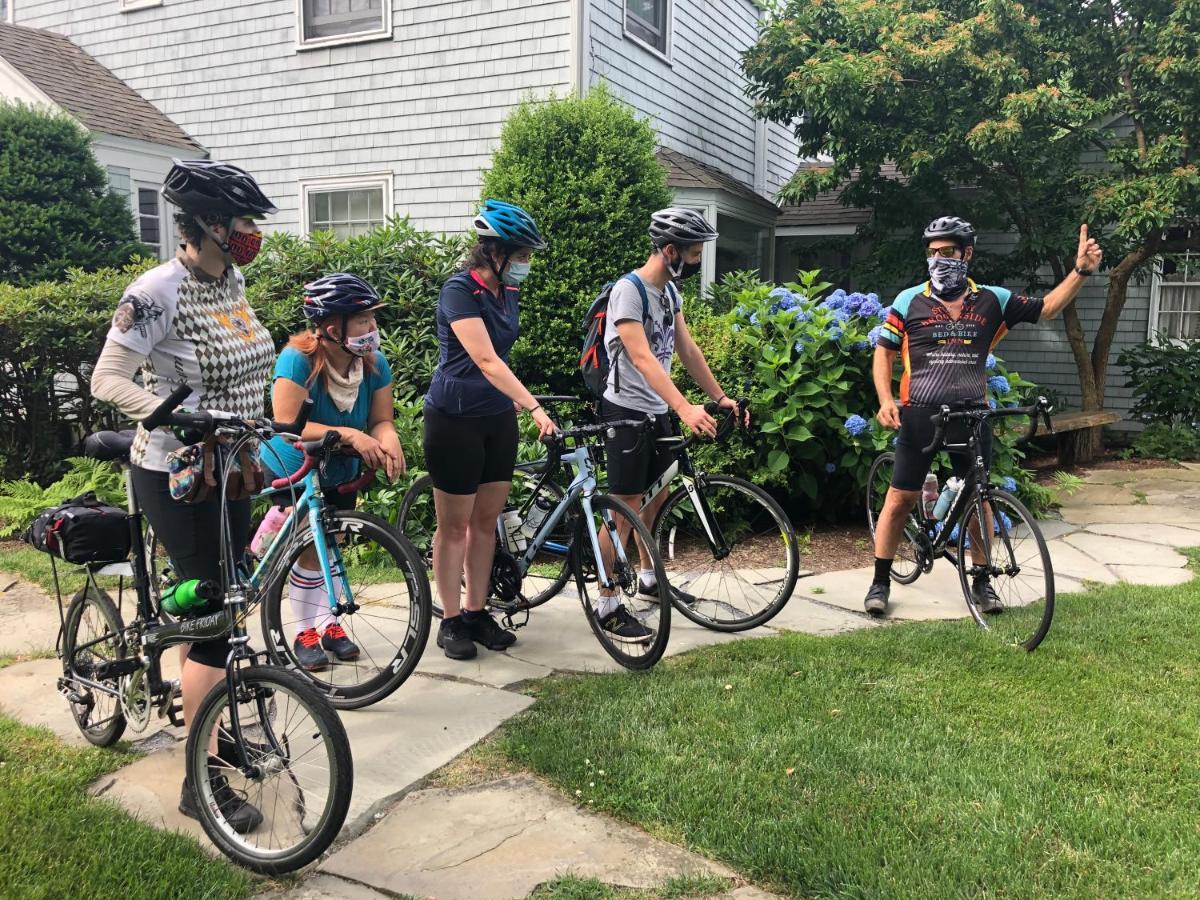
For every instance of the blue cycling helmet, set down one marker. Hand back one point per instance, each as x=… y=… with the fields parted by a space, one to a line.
x=338 y=294
x=509 y=223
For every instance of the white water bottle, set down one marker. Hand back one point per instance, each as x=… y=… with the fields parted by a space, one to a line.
x=929 y=495
x=537 y=515
x=946 y=500
x=514 y=537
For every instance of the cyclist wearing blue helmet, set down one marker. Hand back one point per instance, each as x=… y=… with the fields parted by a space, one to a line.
x=338 y=366
x=471 y=422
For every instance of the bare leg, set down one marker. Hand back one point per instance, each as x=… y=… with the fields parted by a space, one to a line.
x=607 y=551
x=450 y=547
x=481 y=541
x=890 y=527
x=197 y=680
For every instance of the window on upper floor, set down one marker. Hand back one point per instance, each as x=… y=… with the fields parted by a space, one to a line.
x=347 y=207
x=324 y=22
x=649 y=22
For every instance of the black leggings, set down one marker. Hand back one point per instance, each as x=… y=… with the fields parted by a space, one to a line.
x=191 y=534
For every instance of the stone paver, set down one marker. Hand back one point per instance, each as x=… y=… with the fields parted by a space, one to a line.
x=149 y=790
x=499 y=670
x=30 y=619
x=1103 y=494
x=1153 y=576
x=1113 y=551
x=936 y=595
x=501 y=840
x=1167 y=535
x=815 y=617
x=1073 y=563
x=325 y=887
x=1139 y=514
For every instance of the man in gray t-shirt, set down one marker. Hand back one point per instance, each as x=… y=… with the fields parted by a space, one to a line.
x=641 y=339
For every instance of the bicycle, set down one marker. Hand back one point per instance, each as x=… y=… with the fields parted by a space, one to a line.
x=375 y=583
x=724 y=539
x=278 y=743
x=584 y=515
x=1008 y=545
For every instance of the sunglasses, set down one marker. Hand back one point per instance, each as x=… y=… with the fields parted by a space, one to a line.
x=944 y=252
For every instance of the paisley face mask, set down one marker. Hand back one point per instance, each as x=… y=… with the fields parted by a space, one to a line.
x=948 y=276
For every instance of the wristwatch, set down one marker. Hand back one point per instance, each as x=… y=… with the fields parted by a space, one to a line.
x=1084 y=272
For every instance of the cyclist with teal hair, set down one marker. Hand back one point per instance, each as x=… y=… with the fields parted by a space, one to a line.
x=471 y=421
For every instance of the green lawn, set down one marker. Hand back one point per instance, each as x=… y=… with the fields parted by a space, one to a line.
x=34 y=566
x=914 y=761
x=56 y=842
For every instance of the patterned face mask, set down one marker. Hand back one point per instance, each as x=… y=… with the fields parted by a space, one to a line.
x=364 y=344
x=244 y=246
x=948 y=276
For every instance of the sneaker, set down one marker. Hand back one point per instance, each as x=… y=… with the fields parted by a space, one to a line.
x=987 y=601
x=649 y=590
x=335 y=641
x=309 y=654
x=877 y=599
x=454 y=637
x=485 y=630
x=624 y=627
x=242 y=816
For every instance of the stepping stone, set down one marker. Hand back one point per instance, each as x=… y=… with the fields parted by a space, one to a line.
x=148 y=789
x=1074 y=563
x=1108 y=476
x=1167 y=535
x=30 y=617
x=1055 y=528
x=1117 y=551
x=323 y=887
x=502 y=840
x=1153 y=575
x=1102 y=494
x=1139 y=514
x=498 y=670
x=937 y=595
x=1189 y=473
x=814 y=617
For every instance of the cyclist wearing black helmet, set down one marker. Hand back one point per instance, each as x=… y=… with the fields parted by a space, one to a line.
x=945 y=329
x=187 y=321
x=642 y=336
x=339 y=367
x=471 y=422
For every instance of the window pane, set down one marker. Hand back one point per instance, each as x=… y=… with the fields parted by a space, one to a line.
x=339 y=206
x=149 y=231
x=330 y=18
x=148 y=202
x=359 y=206
x=1179 y=297
x=118 y=179
x=742 y=245
x=647 y=20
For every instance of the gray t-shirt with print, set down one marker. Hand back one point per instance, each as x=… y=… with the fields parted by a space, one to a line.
x=625 y=304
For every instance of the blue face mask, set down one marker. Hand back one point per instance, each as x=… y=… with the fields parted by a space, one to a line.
x=515 y=273
x=948 y=277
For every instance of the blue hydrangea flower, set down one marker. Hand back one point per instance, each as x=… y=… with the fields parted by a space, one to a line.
x=999 y=384
x=991 y=361
x=834 y=333
x=895 y=440
x=741 y=310
x=873 y=297
x=869 y=309
x=799 y=313
x=861 y=345
x=954 y=533
x=854 y=302
x=735 y=328
x=1009 y=484
x=883 y=312
x=830 y=468
x=834 y=301
x=873 y=334
x=856 y=425
x=779 y=293
x=753 y=318
x=991 y=402
x=842 y=314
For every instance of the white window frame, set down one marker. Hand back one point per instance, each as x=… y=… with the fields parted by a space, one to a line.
x=382 y=33
x=131 y=5
x=308 y=186
x=135 y=199
x=668 y=25
x=10 y=15
x=1156 y=284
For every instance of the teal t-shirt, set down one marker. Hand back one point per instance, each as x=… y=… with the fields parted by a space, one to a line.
x=295 y=366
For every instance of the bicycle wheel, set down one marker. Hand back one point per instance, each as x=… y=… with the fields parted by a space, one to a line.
x=910 y=559
x=160 y=570
x=292 y=764
x=1013 y=555
x=93 y=634
x=551 y=568
x=381 y=573
x=612 y=517
x=751 y=582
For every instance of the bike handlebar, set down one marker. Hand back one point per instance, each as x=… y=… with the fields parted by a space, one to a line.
x=945 y=415
x=313 y=452
x=206 y=420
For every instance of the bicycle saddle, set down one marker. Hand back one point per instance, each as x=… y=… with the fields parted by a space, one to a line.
x=109 y=445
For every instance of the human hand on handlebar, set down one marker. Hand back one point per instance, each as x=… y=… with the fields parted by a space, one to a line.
x=727 y=402
x=889 y=416
x=544 y=423
x=369 y=449
x=697 y=419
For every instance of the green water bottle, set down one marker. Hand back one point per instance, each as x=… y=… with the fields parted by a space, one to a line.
x=188 y=596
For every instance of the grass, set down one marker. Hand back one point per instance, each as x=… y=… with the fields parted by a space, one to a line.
x=34 y=566
x=55 y=841
x=923 y=760
x=570 y=887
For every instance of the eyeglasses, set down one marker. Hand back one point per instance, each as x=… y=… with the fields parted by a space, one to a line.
x=943 y=252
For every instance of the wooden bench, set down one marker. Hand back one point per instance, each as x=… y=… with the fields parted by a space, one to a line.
x=1072 y=431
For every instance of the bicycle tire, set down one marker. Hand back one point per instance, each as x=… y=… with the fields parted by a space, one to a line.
x=110 y=728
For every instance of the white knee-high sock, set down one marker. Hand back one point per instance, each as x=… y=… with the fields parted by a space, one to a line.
x=310 y=602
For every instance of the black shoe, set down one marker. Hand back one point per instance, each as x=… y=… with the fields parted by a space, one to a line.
x=242 y=816
x=483 y=629
x=986 y=599
x=877 y=599
x=625 y=628
x=454 y=637
x=649 y=590
x=335 y=641
x=309 y=654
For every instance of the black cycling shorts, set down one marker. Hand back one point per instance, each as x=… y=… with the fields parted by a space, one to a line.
x=633 y=473
x=463 y=452
x=916 y=431
x=191 y=535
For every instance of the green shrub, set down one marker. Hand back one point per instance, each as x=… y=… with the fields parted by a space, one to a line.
x=57 y=211
x=21 y=501
x=1162 y=441
x=585 y=170
x=1163 y=376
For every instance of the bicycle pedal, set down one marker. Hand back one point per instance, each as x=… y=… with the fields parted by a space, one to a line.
x=170 y=700
x=174 y=714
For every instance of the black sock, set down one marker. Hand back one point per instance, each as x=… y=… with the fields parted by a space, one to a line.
x=470 y=615
x=883 y=571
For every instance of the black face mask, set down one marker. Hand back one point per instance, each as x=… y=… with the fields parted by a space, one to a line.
x=680 y=270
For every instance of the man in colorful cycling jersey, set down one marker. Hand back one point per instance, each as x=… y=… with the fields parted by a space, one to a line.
x=943 y=330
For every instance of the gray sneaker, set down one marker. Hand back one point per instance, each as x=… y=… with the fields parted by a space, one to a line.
x=985 y=597
x=877 y=599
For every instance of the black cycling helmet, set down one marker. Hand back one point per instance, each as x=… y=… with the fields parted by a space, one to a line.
x=339 y=293
x=201 y=186
x=679 y=225
x=951 y=228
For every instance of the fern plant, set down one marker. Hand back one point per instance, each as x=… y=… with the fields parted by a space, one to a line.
x=22 y=501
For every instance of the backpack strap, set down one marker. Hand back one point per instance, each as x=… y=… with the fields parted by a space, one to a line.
x=641 y=288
